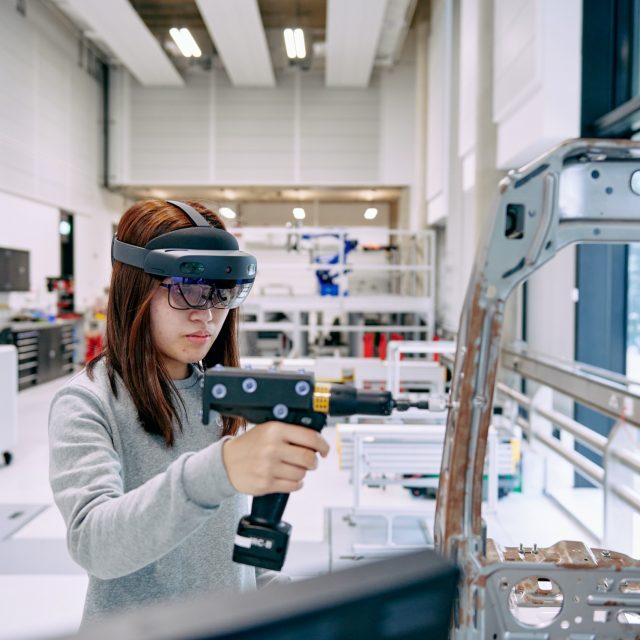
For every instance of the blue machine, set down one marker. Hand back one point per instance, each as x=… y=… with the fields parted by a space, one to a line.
x=327 y=279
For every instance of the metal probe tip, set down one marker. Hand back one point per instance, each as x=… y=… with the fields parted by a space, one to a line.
x=405 y=405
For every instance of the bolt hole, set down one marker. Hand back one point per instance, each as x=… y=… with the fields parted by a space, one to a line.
x=609 y=190
x=595 y=174
x=629 y=617
x=535 y=601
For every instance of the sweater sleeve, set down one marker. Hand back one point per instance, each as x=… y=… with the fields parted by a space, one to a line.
x=111 y=533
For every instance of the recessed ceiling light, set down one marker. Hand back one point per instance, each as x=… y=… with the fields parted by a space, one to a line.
x=227 y=212
x=370 y=213
x=299 y=213
x=186 y=42
x=294 y=43
x=301 y=50
x=290 y=43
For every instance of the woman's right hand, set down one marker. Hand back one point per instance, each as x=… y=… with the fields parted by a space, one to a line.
x=272 y=457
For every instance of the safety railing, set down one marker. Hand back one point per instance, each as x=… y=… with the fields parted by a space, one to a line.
x=617 y=506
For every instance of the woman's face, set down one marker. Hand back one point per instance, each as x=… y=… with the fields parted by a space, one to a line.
x=182 y=336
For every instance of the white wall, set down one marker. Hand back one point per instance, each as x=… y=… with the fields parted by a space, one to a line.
x=440 y=124
x=513 y=92
x=299 y=132
x=398 y=153
x=32 y=227
x=550 y=306
x=537 y=93
x=50 y=150
x=537 y=76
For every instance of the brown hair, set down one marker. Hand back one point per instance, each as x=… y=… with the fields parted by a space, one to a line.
x=129 y=351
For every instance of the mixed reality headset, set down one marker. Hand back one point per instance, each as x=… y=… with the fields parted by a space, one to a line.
x=204 y=263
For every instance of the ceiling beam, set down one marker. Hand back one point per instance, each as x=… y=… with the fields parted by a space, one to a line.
x=394 y=31
x=353 y=31
x=117 y=24
x=235 y=26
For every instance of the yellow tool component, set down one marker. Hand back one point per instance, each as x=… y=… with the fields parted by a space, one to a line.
x=321 y=396
x=515 y=452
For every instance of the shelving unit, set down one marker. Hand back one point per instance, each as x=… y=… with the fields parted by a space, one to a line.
x=45 y=351
x=26 y=343
x=385 y=286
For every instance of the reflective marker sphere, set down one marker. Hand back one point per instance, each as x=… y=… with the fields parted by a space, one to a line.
x=218 y=391
x=249 y=385
x=280 y=412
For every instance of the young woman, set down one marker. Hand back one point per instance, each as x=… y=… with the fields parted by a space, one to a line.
x=151 y=496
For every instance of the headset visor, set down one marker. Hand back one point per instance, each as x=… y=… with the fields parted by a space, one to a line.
x=192 y=293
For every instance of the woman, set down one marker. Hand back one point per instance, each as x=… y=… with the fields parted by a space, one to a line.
x=151 y=496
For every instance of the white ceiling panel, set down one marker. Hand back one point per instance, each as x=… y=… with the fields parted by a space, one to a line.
x=235 y=26
x=353 y=31
x=116 y=23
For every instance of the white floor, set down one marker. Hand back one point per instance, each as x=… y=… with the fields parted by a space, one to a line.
x=42 y=591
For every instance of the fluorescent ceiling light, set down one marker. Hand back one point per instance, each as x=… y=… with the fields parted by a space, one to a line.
x=301 y=51
x=290 y=43
x=186 y=42
x=227 y=213
x=299 y=213
x=294 y=43
x=370 y=213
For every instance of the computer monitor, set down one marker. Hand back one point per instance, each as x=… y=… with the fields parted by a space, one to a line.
x=404 y=597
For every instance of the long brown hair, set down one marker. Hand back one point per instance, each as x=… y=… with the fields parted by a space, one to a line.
x=129 y=351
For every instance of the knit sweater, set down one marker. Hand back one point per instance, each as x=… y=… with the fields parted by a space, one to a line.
x=147 y=522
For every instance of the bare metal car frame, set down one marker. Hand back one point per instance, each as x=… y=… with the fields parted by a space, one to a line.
x=581 y=191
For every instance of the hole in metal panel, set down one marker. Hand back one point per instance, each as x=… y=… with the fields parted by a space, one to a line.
x=630 y=586
x=536 y=601
x=629 y=617
x=514 y=222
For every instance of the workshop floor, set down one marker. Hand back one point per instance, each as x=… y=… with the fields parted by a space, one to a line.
x=42 y=590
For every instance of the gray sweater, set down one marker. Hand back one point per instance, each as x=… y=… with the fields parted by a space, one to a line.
x=147 y=522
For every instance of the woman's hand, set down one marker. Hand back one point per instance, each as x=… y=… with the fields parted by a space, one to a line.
x=273 y=457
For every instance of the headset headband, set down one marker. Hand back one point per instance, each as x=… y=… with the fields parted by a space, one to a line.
x=201 y=251
x=197 y=218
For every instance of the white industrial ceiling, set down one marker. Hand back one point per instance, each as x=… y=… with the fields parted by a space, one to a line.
x=351 y=35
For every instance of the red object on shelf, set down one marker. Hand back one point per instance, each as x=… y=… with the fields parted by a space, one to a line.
x=382 y=346
x=368 y=345
x=436 y=356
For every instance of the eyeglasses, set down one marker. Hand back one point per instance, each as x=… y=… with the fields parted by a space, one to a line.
x=189 y=293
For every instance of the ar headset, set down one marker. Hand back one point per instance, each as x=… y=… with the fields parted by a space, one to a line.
x=199 y=255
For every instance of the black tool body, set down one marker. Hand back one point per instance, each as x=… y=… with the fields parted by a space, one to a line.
x=258 y=396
